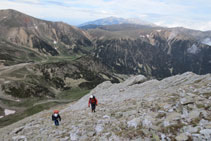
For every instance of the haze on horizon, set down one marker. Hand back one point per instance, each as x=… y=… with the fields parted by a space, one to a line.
x=182 y=13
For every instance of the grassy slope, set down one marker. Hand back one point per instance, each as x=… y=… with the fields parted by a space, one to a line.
x=13 y=54
x=63 y=98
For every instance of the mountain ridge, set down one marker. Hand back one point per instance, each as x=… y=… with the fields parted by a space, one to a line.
x=44 y=36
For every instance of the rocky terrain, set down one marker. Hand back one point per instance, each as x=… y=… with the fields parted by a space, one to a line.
x=175 y=108
x=45 y=63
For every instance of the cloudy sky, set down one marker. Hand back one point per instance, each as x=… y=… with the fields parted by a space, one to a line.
x=195 y=14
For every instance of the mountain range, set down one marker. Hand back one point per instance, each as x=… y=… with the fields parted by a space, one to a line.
x=44 y=63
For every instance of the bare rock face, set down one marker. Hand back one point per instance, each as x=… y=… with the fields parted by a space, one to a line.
x=175 y=108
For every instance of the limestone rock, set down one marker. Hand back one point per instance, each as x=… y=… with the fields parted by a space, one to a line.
x=134 y=122
x=182 y=137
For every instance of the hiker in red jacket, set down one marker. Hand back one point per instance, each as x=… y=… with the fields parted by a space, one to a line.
x=93 y=102
x=56 y=117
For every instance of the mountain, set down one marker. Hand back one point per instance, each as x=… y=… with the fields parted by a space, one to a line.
x=48 y=38
x=112 y=21
x=176 y=108
x=43 y=63
x=153 y=51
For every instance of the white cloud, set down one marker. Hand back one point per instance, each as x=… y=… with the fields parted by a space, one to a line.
x=32 y=1
x=197 y=25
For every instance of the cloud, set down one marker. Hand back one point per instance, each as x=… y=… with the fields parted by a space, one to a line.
x=25 y=1
x=198 y=25
x=164 y=12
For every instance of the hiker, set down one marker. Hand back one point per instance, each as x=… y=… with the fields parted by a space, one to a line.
x=93 y=102
x=56 y=117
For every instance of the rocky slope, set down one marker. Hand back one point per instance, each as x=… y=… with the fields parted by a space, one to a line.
x=153 y=51
x=175 y=108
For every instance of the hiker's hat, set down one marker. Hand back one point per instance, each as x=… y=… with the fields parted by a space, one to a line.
x=56 y=111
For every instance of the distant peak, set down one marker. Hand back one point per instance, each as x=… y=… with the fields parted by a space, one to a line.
x=113 y=17
x=117 y=20
x=9 y=10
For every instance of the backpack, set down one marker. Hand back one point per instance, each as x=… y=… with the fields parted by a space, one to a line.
x=93 y=101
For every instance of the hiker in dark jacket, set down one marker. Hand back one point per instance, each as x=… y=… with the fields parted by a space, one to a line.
x=56 y=117
x=93 y=102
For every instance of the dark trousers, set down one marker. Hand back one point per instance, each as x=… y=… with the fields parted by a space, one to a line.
x=93 y=107
x=56 y=122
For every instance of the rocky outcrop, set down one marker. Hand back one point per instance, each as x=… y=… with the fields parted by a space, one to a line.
x=175 y=108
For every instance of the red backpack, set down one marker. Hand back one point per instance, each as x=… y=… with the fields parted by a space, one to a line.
x=93 y=100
